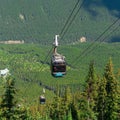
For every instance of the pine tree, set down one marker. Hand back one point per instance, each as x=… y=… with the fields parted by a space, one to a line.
x=61 y=105
x=8 y=106
x=74 y=111
x=74 y=105
x=92 y=86
x=8 y=102
x=80 y=109
x=67 y=99
x=112 y=93
x=56 y=111
x=92 y=83
x=101 y=103
x=91 y=90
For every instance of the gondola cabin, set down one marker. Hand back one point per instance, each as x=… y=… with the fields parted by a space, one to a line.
x=58 y=65
x=42 y=99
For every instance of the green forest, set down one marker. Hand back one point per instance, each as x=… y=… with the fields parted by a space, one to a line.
x=87 y=91
x=89 y=38
x=38 y=21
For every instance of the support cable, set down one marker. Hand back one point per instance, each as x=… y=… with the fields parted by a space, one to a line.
x=72 y=19
x=69 y=17
x=92 y=44
x=46 y=58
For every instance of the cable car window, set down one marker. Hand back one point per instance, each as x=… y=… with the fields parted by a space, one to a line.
x=59 y=68
x=59 y=63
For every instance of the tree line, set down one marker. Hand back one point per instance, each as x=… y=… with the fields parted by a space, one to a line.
x=100 y=100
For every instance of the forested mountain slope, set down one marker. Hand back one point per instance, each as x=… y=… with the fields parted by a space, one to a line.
x=39 y=20
x=25 y=63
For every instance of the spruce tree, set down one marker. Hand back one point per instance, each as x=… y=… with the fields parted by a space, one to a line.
x=112 y=93
x=67 y=99
x=80 y=109
x=91 y=83
x=8 y=102
x=74 y=106
x=56 y=109
x=74 y=111
x=101 y=103
x=8 y=106
x=91 y=90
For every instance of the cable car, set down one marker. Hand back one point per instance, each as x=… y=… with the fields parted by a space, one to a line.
x=58 y=64
x=42 y=99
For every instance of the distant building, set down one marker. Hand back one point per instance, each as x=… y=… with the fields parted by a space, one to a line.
x=83 y=39
x=4 y=73
x=13 y=42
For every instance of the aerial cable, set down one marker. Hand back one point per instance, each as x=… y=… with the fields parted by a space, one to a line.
x=115 y=29
x=72 y=19
x=65 y=26
x=41 y=68
x=69 y=17
x=86 y=50
x=46 y=58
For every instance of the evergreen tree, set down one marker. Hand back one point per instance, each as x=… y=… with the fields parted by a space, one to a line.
x=74 y=111
x=8 y=106
x=91 y=83
x=61 y=105
x=8 y=102
x=67 y=99
x=118 y=77
x=74 y=106
x=85 y=109
x=112 y=93
x=91 y=90
x=56 y=110
x=101 y=103
x=119 y=105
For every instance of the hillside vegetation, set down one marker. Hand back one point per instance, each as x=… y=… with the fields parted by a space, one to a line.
x=37 y=21
x=29 y=74
x=90 y=89
x=26 y=63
